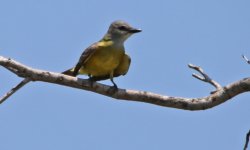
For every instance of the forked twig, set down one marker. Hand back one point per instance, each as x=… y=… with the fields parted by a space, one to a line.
x=204 y=77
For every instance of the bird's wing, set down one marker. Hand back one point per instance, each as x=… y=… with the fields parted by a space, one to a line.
x=87 y=53
x=128 y=59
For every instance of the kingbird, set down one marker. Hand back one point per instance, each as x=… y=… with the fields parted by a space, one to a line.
x=106 y=58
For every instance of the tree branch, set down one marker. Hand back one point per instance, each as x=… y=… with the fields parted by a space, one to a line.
x=247 y=140
x=14 y=89
x=246 y=59
x=220 y=96
x=204 y=77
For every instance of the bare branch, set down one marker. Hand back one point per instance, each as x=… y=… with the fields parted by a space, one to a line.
x=204 y=77
x=246 y=59
x=247 y=140
x=220 y=96
x=14 y=89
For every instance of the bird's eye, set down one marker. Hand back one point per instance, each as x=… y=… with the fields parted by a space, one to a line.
x=122 y=28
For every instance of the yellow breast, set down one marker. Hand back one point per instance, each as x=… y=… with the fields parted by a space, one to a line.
x=103 y=61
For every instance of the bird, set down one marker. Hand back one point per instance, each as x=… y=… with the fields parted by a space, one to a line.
x=106 y=58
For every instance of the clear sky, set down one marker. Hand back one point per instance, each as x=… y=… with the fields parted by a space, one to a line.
x=51 y=35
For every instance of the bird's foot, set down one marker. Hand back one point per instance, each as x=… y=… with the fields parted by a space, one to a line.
x=113 y=89
x=91 y=82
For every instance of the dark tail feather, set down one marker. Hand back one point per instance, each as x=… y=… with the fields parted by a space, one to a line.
x=69 y=72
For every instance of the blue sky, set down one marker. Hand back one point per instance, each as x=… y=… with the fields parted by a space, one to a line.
x=51 y=35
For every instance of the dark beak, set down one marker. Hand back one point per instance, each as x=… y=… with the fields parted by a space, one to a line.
x=134 y=30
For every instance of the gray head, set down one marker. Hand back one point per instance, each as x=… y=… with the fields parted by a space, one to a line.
x=120 y=31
